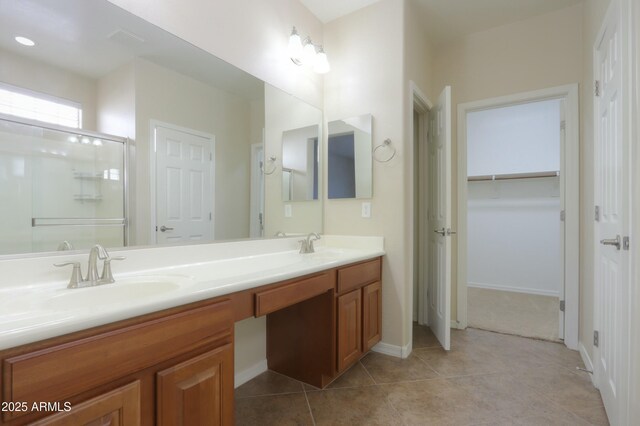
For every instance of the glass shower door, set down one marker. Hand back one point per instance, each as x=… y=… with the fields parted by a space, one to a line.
x=60 y=187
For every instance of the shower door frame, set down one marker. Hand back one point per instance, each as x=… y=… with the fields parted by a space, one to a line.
x=126 y=142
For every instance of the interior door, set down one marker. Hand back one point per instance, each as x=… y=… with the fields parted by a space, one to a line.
x=611 y=180
x=439 y=292
x=184 y=188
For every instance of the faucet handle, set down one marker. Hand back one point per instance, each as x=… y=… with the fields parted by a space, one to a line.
x=76 y=275
x=107 y=276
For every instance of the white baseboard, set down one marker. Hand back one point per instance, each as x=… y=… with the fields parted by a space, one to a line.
x=514 y=289
x=455 y=324
x=393 y=350
x=588 y=364
x=255 y=370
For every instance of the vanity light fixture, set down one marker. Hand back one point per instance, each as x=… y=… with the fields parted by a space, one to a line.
x=304 y=52
x=321 y=64
x=25 y=41
x=295 y=47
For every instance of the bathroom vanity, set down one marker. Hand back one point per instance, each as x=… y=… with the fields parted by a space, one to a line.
x=176 y=365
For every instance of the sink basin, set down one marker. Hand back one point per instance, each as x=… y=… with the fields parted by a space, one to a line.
x=124 y=290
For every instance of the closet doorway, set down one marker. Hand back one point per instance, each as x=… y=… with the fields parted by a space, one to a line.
x=518 y=215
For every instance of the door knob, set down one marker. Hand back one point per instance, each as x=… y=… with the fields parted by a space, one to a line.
x=440 y=231
x=616 y=242
x=165 y=229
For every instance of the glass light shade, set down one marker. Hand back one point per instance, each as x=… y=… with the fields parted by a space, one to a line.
x=321 y=64
x=295 y=47
x=308 y=54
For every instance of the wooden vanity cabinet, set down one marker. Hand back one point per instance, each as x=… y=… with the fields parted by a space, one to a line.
x=167 y=368
x=193 y=392
x=119 y=407
x=359 y=311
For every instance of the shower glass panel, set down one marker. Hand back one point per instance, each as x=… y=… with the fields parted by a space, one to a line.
x=58 y=186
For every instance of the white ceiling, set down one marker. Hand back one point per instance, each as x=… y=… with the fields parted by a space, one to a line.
x=328 y=10
x=93 y=38
x=445 y=20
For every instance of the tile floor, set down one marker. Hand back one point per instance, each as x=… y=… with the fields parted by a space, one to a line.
x=486 y=379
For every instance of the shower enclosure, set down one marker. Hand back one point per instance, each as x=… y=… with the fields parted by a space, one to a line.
x=60 y=189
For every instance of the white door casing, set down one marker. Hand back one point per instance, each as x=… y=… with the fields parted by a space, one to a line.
x=570 y=190
x=183 y=184
x=611 y=154
x=439 y=309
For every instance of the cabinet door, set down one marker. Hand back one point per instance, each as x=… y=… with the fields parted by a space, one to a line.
x=120 y=407
x=349 y=329
x=198 y=391
x=371 y=315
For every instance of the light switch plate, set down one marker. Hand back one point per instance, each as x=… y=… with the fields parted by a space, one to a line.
x=287 y=210
x=366 y=210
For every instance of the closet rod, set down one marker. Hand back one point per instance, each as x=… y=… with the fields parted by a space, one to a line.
x=513 y=176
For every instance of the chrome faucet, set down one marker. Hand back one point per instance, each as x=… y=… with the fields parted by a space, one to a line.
x=65 y=245
x=306 y=245
x=96 y=253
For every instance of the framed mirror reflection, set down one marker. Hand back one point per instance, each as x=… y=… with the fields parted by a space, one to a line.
x=349 y=158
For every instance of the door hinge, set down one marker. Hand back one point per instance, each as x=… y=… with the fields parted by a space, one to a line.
x=596 y=338
x=563 y=125
x=156 y=228
x=562 y=215
x=597 y=88
x=597 y=214
x=562 y=306
x=625 y=243
x=209 y=215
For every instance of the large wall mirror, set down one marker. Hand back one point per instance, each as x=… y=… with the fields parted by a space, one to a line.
x=349 y=158
x=300 y=164
x=114 y=131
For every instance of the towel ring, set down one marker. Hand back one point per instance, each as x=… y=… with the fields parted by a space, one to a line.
x=272 y=161
x=387 y=144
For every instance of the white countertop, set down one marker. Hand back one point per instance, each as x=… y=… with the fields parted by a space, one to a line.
x=35 y=303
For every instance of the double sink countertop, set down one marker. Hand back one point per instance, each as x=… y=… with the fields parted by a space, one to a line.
x=35 y=303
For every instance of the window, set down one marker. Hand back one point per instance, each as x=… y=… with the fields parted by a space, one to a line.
x=39 y=106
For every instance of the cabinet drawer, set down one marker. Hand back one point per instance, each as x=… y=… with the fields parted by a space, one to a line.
x=59 y=372
x=356 y=276
x=272 y=300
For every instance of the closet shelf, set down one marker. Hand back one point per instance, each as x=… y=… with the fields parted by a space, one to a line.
x=510 y=176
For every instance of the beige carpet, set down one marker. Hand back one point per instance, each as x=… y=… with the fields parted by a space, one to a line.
x=528 y=315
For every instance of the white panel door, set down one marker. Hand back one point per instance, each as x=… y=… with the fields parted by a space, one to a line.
x=611 y=177
x=439 y=292
x=184 y=190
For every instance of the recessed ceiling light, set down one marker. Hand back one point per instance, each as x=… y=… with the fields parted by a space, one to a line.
x=25 y=41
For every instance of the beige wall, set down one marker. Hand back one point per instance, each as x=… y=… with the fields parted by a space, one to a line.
x=35 y=75
x=537 y=53
x=594 y=11
x=172 y=98
x=116 y=102
x=366 y=76
x=250 y=34
x=283 y=113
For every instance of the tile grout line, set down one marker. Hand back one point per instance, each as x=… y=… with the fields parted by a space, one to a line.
x=367 y=371
x=313 y=420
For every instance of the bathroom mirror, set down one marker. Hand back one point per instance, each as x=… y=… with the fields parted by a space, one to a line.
x=114 y=131
x=300 y=164
x=349 y=158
